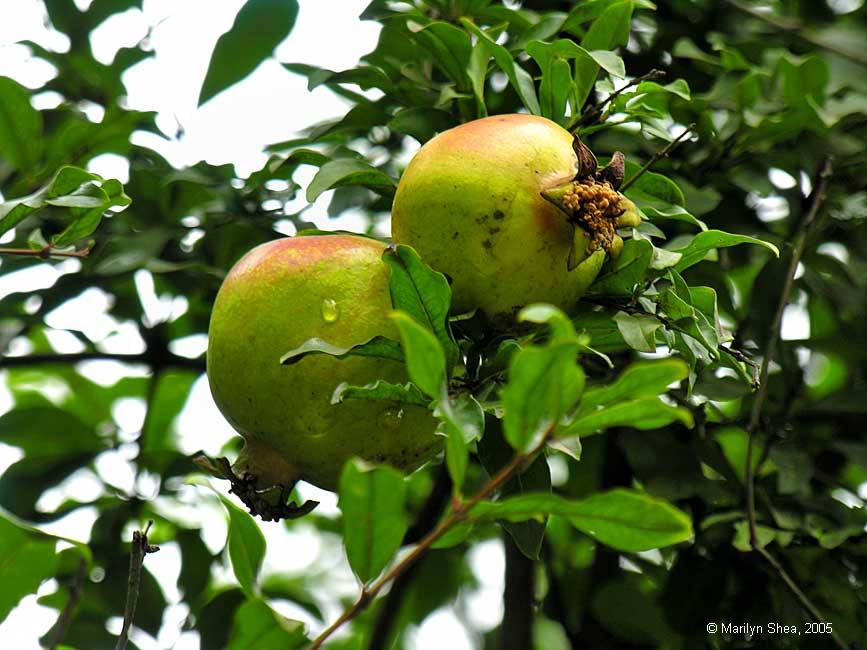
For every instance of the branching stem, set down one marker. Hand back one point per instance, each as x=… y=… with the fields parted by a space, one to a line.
x=816 y=201
x=593 y=113
x=659 y=155
x=75 y=589
x=44 y=253
x=458 y=515
x=140 y=548
x=41 y=359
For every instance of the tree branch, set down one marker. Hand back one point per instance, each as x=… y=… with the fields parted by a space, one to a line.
x=44 y=252
x=458 y=515
x=796 y=28
x=516 y=632
x=592 y=114
x=40 y=359
x=659 y=155
x=140 y=548
x=816 y=201
x=743 y=358
x=65 y=618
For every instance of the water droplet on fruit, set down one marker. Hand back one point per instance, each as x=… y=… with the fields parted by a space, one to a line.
x=391 y=418
x=329 y=309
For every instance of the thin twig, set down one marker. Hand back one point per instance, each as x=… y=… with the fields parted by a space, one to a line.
x=802 y=598
x=816 y=201
x=743 y=358
x=659 y=155
x=76 y=357
x=592 y=114
x=65 y=618
x=458 y=515
x=140 y=548
x=44 y=252
x=796 y=28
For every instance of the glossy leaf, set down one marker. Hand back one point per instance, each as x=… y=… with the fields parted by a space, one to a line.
x=378 y=347
x=246 y=545
x=623 y=519
x=374 y=520
x=425 y=359
x=256 y=624
x=259 y=27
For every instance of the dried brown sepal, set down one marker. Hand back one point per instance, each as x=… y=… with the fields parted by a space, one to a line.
x=270 y=503
x=591 y=205
x=614 y=172
x=587 y=163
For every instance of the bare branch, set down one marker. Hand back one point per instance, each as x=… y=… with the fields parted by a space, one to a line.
x=44 y=253
x=659 y=155
x=816 y=201
x=593 y=113
x=458 y=515
x=140 y=548
x=743 y=358
x=41 y=359
x=65 y=618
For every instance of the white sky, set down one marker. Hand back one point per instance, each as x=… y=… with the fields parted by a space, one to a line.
x=269 y=106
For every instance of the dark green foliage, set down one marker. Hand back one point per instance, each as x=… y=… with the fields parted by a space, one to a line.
x=647 y=454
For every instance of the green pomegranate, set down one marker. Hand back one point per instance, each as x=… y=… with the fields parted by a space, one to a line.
x=276 y=297
x=496 y=205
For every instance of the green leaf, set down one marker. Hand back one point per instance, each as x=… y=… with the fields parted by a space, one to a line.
x=450 y=49
x=422 y=293
x=246 y=547
x=626 y=271
x=544 y=385
x=425 y=359
x=495 y=453
x=382 y=391
x=519 y=78
x=421 y=122
x=365 y=77
x=641 y=379
x=349 y=171
x=623 y=519
x=21 y=139
x=638 y=330
x=379 y=347
x=478 y=73
x=87 y=195
x=706 y=241
x=259 y=27
x=609 y=30
x=640 y=413
x=654 y=188
x=463 y=421
x=27 y=558
x=55 y=443
x=374 y=521
x=557 y=85
x=566 y=49
x=258 y=626
x=159 y=433
x=562 y=329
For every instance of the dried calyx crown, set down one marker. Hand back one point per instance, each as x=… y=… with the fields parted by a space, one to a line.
x=591 y=199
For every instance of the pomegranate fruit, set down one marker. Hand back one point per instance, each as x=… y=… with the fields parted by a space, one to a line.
x=504 y=207
x=276 y=297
